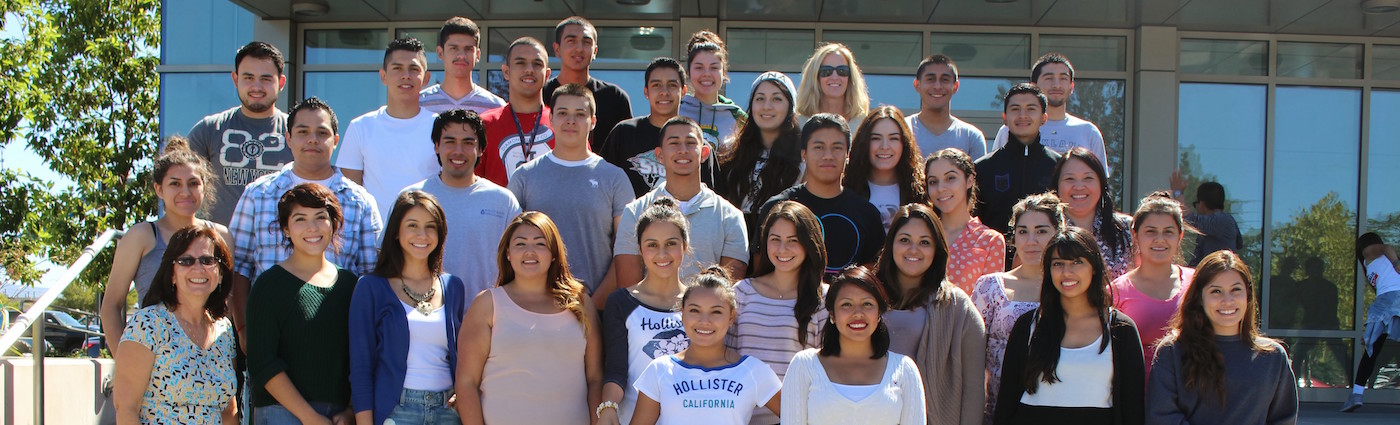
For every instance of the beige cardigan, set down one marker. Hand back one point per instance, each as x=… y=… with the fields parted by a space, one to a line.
x=951 y=359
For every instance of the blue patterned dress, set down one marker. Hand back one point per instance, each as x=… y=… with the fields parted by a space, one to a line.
x=189 y=384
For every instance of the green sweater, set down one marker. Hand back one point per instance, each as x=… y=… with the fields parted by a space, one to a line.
x=303 y=330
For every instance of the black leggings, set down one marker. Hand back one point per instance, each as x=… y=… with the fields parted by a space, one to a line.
x=1368 y=362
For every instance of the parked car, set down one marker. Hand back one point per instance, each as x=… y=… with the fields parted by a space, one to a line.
x=66 y=334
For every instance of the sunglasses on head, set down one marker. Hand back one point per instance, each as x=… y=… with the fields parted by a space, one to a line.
x=826 y=70
x=203 y=260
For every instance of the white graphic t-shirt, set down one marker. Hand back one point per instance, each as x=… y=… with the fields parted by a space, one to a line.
x=692 y=394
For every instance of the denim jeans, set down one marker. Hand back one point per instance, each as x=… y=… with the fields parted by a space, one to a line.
x=277 y=415
x=423 y=407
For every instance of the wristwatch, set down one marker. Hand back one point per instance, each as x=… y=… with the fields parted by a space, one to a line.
x=598 y=413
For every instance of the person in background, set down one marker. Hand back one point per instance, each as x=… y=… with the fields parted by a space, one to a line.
x=931 y=321
x=1082 y=185
x=1383 y=315
x=1216 y=227
x=459 y=49
x=177 y=351
x=934 y=126
x=974 y=250
x=832 y=83
x=1151 y=293
x=885 y=164
x=766 y=157
x=576 y=45
x=632 y=144
x=1214 y=365
x=1018 y=170
x=709 y=72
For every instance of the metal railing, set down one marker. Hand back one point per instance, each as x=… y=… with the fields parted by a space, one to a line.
x=35 y=315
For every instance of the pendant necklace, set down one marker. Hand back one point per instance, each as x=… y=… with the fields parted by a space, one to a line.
x=424 y=300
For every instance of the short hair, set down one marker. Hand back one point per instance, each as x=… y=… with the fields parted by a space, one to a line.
x=163 y=289
x=575 y=89
x=259 y=50
x=681 y=120
x=865 y=280
x=458 y=25
x=574 y=20
x=1049 y=58
x=937 y=59
x=1213 y=194
x=311 y=195
x=664 y=62
x=391 y=258
x=825 y=120
x=460 y=116
x=527 y=40
x=407 y=44
x=1024 y=88
x=312 y=103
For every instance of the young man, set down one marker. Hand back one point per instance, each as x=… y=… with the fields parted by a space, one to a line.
x=1022 y=168
x=457 y=49
x=1055 y=76
x=246 y=141
x=717 y=231
x=387 y=149
x=477 y=210
x=581 y=192
x=632 y=144
x=934 y=126
x=850 y=224
x=519 y=131
x=1218 y=229
x=576 y=44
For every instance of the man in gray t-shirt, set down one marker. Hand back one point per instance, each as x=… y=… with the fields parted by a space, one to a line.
x=246 y=141
x=934 y=126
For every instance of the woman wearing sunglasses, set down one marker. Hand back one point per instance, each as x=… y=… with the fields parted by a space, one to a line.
x=832 y=83
x=177 y=351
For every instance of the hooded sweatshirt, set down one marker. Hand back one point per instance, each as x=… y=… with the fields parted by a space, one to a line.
x=719 y=121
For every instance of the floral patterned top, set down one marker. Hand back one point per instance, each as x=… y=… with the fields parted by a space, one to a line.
x=189 y=384
x=977 y=251
x=1118 y=261
x=999 y=313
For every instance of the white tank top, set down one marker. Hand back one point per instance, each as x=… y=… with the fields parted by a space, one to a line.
x=427 y=351
x=1086 y=379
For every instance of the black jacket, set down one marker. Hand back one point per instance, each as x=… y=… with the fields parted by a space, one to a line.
x=1129 y=373
x=1009 y=174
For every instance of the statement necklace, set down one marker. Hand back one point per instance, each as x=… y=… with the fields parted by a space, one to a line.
x=424 y=301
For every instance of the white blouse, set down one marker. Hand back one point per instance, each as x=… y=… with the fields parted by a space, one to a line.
x=809 y=396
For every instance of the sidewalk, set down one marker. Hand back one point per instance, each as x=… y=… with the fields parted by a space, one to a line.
x=1327 y=414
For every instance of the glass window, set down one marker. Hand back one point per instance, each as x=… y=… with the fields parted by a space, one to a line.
x=1321 y=362
x=1220 y=138
x=631 y=82
x=1319 y=60
x=770 y=47
x=199 y=95
x=346 y=46
x=1101 y=102
x=219 y=28
x=738 y=88
x=1225 y=57
x=981 y=94
x=984 y=51
x=1385 y=62
x=896 y=90
x=632 y=45
x=871 y=48
x=426 y=35
x=1314 y=207
x=1089 y=52
x=1382 y=204
x=499 y=39
x=349 y=94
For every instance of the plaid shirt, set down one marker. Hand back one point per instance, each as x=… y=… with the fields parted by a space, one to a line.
x=258 y=242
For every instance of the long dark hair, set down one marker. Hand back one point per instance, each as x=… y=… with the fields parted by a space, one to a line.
x=177 y=152
x=809 y=276
x=779 y=172
x=907 y=170
x=567 y=291
x=391 y=258
x=933 y=286
x=1104 y=210
x=163 y=289
x=1069 y=244
x=862 y=278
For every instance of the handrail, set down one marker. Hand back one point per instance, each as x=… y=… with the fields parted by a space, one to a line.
x=35 y=311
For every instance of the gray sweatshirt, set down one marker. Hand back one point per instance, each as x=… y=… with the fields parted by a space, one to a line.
x=1260 y=388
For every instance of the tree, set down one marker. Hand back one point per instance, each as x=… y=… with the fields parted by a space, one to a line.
x=81 y=91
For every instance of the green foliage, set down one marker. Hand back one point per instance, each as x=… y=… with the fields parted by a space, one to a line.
x=81 y=90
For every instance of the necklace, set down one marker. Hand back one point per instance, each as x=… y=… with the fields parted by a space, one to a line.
x=424 y=300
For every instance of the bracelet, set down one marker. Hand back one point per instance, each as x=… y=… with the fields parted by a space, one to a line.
x=598 y=413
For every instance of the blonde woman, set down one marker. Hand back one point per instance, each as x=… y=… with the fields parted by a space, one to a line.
x=833 y=83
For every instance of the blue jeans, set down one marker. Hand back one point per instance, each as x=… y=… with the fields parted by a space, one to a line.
x=277 y=415
x=423 y=407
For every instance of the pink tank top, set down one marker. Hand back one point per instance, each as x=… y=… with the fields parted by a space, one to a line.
x=534 y=374
x=1152 y=316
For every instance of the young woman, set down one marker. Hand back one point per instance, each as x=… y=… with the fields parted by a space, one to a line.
x=640 y=322
x=531 y=349
x=1083 y=186
x=179 y=184
x=766 y=157
x=854 y=377
x=709 y=72
x=780 y=308
x=403 y=335
x=1001 y=298
x=706 y=383
x=832 y=83
x=298 y=346
x=1075 y=359
x=1383 y=316
x=884 y=164
x=1151 y=293
x=1215 y=366
x=177 y=352
x=930 y=320
x=974 y=250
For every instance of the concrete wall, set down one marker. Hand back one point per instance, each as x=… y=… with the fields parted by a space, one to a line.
x=72 y=390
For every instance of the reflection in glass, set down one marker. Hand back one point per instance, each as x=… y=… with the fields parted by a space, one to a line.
x=1089 y=52
x=186 y=98
x=897 y=49
x=222 y=27
x=770 y=47
x=632 y=45
x=1382 y=201
x=1224 y=57
x=984 y=51
x=1319 y=60
x=1220 y=138
x=1321 y=362
x=1314 y=205
x=499 y=40
x=1385 y=62
x=429 y=38
x=346 y=46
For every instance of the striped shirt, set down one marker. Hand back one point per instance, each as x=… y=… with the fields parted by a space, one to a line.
x=766 y=329
x=479 y=100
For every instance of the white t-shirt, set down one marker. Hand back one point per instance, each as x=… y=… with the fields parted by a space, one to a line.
x=392 y=152
x=691 y=394
x=1381 y=274
x=1063 y=135
x=885 y=199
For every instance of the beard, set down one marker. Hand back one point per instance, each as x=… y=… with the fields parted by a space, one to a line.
x=257 y=107
x=1056 y=103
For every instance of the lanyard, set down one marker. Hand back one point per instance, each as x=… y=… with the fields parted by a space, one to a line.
x=527 y=145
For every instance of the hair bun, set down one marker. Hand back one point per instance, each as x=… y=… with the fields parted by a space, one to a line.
x=667 y=202
x=174 y=144
x=715 y=270
x=704 y=36
x=1162 y=194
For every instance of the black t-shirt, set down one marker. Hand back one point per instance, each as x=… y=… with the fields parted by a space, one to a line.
x=850 y=225
x=631 y=146
x=613 y=106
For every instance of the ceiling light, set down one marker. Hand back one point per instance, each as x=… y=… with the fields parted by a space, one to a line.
x=310 y=8
x=1379 y=6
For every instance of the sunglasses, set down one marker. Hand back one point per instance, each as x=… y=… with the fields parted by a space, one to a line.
x=204 y=260
x=826 y=70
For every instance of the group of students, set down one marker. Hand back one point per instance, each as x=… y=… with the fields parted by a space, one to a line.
x=581 y=287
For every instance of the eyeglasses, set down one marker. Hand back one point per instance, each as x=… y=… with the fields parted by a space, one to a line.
x=204 y=260
x=826 y=70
